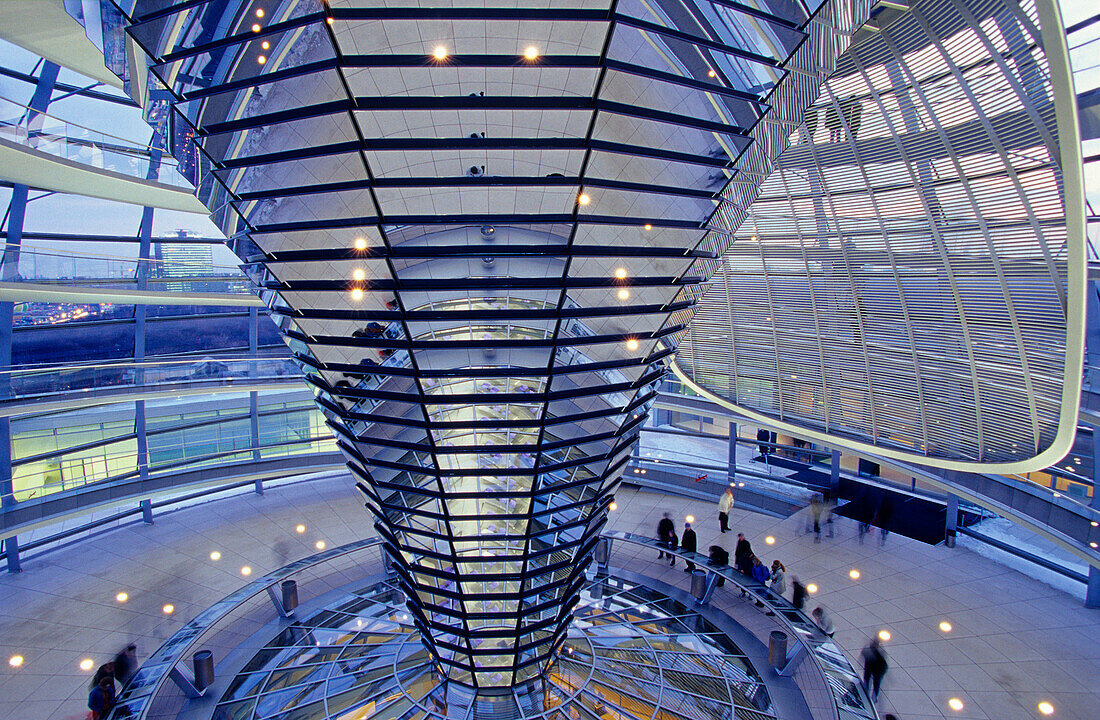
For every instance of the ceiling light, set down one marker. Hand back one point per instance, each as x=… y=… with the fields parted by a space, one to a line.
x=690 y=518
x=87 y=664
x=811 y=588
x=320 y=544
x=624 y=294
x=122 y=597
x=440 y=53
x=15 y=660
x=215 y=555
x=583 y=199
x=1092 y=544
x=631 y=344
x=261 y=59
x=740 y=484
x=300 y=529
x=357 y=294
x=1095 y=524
x=259 y=12
x=265 y=45
x=358 y=274
x=945 y=626
x=531 y=53
x=884 y=635
x=648 y=226
x=955 y=704
x=854 y=574
x=256 y=27
x=360 y=243
x=711 y=73
x=246 y=571
x=769 y=540
x=168 y=609
x=613 y=506
x=620 y=273
x=329 y=20
x=1046 y=708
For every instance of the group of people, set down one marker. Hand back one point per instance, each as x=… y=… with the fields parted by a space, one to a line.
x=104 y=692
x=775 y=576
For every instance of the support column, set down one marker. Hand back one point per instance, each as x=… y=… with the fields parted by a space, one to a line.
x=951 y=522
x=834 y=470
x=11 y=552
x=1092 y=590
x=731 y=473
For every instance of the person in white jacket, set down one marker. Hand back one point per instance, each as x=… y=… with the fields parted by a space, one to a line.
x=725 y=503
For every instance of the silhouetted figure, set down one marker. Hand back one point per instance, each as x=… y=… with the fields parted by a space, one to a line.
x=742 y=554
x=798 y=596
x=125 y=663
x=833 y=124
x=762 y=438
x=811 y=122
x=719 y=557
x=853 y=109
x=874 y=667
x=688 y=543
x=666 y=535
x=885 y=517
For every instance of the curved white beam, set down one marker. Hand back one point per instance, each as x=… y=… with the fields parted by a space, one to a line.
x=45 y=29
x=39 y=292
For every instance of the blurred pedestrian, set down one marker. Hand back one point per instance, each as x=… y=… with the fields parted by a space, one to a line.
x=688 y=543
x=107 y=670
x=779 y=578
x=885 y=517
x=666 y=535
x=823 y=620
x=125 y=663
x=102 y=698
x=725 y=503
x=798 y=594
x=874 y=667
x=813 y=521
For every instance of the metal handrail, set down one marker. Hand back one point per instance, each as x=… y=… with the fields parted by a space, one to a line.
x=849 y=698
x=137 y=697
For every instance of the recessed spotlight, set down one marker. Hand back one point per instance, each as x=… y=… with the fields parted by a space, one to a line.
x=320 y=544
x=122 y=597
x=300 y=529
x=215 y=556
x=87 y=664
x=690 y=518
x=648 y=226
x=246 y=571
x=329 y=20
x=261 y=59
x=620 y=273
x=711 y=73
x=854 y=574
x=811 y=588
x=168 y=609
x=955 y=704
x=945 y=626
x=769 y=540
x=631 y=344
x=624 y=294
x=884 y=635
x=357 y=294
x=360 y=243
x=1046 y=708
x=358 y=274
x=440 y=53
x=740 y=484
x=531 y=53
x=259 y=12
x=1092 y=545
x=256 y=27
x=583 y=199
x=15 y=660
x=1095 y=524
x=613 y=506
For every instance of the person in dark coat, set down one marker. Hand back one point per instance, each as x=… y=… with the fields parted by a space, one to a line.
x=688 y=543
x=719 y=557
x=102 y=698
x=125 y=663
x=107 y=670
x=874 y=667
x=742 y=555
x=763 y=437
x=798 y=594
x=666 y=535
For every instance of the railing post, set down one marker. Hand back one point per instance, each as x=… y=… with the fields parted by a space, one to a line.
x=147 y=511
x=11 y=552
x=952 y=520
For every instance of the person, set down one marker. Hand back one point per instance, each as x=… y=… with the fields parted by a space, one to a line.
x=833 y=123
x=829 y=502
x=823 y=620
x=853 y=110
x=779 y=578
x=811 y=123
x=874 y=667
x=760 y=571
x=725 y=503
x=762 y=439
x=817 y=506
x=688 y=543
x=885 y=517
x=798 y=594
x=719 y=557
x=666 y=535
x=742 y=555
x=107 y=669
x=102 y=698
x=125 y=663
